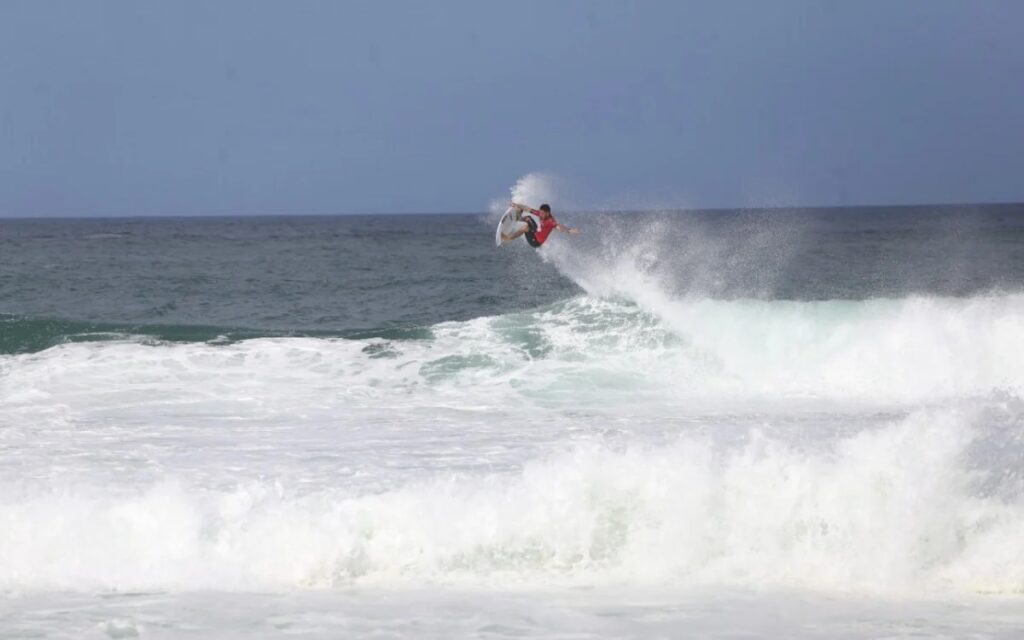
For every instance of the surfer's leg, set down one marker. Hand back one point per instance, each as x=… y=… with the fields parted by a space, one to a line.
x=505 y=237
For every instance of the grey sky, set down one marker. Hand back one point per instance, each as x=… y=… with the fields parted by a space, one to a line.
x=224 y=107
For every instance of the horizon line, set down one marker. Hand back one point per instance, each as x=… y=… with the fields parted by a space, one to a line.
x=768 y=208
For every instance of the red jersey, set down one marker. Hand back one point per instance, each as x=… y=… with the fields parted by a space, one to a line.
x=544 y=229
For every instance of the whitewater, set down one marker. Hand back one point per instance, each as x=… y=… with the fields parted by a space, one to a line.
x=625 y=443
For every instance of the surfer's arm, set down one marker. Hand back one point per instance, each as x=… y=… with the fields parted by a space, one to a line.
x=561 y=227
x=523 y=207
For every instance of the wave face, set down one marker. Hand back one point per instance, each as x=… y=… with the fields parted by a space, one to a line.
x=912 y=350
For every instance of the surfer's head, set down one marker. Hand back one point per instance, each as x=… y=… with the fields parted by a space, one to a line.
x=546 y=208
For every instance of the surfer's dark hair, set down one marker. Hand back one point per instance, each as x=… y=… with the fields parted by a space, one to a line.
x=545 y=207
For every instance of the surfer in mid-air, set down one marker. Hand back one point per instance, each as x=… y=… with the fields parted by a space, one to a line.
x=536 y=234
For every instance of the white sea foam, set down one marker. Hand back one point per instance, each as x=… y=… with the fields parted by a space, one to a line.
x=896 y=508
x=591 y=442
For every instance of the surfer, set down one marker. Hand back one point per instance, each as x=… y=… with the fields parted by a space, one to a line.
x=536 y=236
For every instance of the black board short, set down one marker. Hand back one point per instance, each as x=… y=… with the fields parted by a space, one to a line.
x=530 y=235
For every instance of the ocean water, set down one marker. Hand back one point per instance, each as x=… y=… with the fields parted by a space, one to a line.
x=725 y=424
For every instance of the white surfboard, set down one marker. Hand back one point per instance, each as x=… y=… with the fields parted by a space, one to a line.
x=509 y=223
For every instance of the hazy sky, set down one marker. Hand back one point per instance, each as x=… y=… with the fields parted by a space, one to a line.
x=248 y=107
